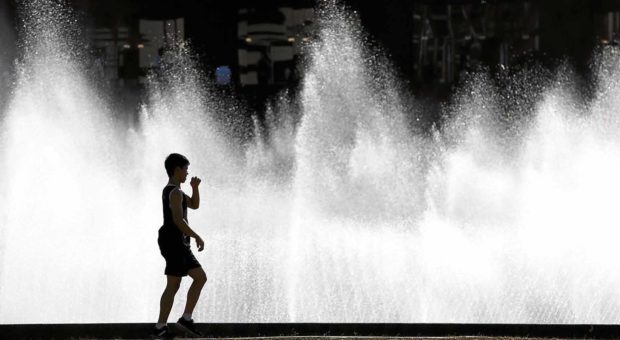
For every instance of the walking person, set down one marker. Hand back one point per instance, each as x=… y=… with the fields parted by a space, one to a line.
x=174 y=245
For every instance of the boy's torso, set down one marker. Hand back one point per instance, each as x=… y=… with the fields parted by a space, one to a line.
x=169 y=228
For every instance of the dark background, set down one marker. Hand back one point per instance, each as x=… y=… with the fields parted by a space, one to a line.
x=431 y=43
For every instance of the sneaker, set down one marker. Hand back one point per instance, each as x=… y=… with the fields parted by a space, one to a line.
x=188 y=326
x=163 y=333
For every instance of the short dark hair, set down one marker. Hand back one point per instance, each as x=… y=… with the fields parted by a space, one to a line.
x=173 y=161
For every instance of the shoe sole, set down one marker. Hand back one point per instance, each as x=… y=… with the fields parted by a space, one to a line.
x=180 y=325
x=165 y=336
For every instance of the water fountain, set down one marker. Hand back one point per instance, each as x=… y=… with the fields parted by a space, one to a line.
x=505 y=213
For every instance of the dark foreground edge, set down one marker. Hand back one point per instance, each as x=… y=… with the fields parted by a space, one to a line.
x=230 y=330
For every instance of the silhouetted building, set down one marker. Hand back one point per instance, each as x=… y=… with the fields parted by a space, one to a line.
x=431 y=43
x=270 y=39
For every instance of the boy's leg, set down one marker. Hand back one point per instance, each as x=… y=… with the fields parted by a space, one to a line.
x=167 y=298
x=200 y=278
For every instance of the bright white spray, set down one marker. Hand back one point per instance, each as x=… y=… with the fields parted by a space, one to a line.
x=338 y=214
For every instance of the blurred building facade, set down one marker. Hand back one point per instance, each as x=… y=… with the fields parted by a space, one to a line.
x=255 y=46
x=452 y=38
x=434 y=43
x=271 y=40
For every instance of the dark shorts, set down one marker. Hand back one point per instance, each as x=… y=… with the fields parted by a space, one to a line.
x=178 y=255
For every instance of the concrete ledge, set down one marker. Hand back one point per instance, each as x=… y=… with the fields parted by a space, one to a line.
x=235 y=330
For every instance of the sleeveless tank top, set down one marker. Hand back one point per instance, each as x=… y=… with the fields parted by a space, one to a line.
x=169 y=225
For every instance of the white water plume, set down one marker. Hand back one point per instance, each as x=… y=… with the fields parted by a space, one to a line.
x=61 y=188
x=337 y=212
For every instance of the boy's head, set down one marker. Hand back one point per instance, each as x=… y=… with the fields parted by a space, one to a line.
x=176 y=163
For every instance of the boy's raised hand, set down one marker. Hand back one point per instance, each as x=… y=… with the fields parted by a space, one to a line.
x=194 y=182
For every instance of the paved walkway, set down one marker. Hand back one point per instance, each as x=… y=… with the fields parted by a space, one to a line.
x=315 y=331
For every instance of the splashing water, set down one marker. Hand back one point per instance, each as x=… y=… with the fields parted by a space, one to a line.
x=337 y=212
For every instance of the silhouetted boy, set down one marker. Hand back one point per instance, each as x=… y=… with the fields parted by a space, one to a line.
x=174 y=244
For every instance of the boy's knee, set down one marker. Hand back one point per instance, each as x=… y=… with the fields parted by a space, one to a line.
x=201 y=278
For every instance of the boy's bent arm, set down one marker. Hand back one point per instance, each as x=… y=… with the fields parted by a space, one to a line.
x=195 y=200
x=195 y=197
x=176 y=205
